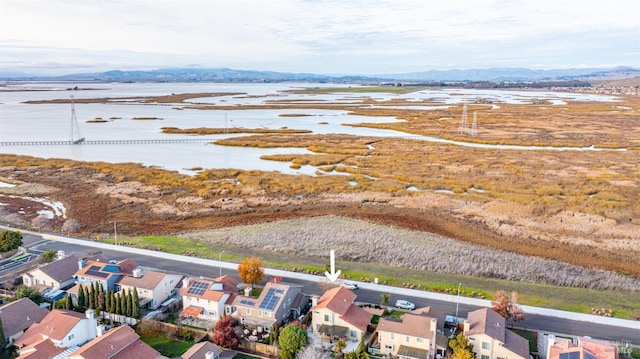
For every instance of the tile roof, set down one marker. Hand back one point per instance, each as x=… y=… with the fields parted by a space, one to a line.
x=192 y=311
x=19 y=315
x=198 y=351
x=149 y=280
x=268 y=295
x=56 y=325
x=486 y=321
x=127 y=266
x=408 y=324
x=207 y=293
x=229 y=284
x=120 y=342
x=433 y=313
x=44 y=349
x=62 y=269
x=338 y=300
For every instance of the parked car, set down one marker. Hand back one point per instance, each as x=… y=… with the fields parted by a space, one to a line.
x=405 y=304
x=349 y=285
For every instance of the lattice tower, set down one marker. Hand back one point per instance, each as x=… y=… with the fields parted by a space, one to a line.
x=464 y=121
x=474 y=125
x=75 y=128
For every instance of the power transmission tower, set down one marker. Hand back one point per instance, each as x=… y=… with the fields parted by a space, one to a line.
x=474 y=125
x=464 y=122
x=75 y=128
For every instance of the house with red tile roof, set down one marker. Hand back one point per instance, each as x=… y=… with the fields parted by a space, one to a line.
x=43 y=349
x=18 y=316
x=118 y=343
x=491 y=339
x=336 y=316
x=64 y=328
x=203 y=350
x=57 y=275
x=587 y=348
x=274 y=304
x=105 y=273
x=153 y=287
x=208 y=299
x=415 y=335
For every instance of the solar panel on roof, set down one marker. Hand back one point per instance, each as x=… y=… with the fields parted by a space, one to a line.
x=570 y=355
x=197 y=288
x=270 y=299
x=95 y=271
x=246 y=302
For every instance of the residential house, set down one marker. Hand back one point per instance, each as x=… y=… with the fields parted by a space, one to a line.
x=415 y=335
x=43 y=349
x=335 y=315
x=153 y=287
x=274 y=304
x=203 y=350
x=64 y=328
x=587 y=348
x=18 y=316
x=98 y=270
x=491 y=339
x=55 y=275
x=208 y=299
x=118 y=343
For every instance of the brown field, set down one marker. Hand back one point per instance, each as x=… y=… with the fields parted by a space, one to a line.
x=576 y=207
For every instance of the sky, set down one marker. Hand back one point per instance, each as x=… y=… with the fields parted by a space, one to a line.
x=355 y=37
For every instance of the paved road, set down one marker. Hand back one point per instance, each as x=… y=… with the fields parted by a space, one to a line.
x=546 y=323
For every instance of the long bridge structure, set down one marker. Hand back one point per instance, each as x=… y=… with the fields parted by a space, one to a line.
x=105 y=142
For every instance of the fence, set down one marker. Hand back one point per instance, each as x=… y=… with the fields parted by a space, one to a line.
x=254 y=347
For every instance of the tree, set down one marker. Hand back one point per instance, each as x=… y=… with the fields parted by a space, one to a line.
x=92 y=297
x=224 y=334
x=461 y=347
x=70 y=226
x=129 y=307
x=135 y=305
x=81 y=298
x=250 y=270
x=26 y=292
x=291 y=340
x=48 y=256
x=3 y=339
x=273 y=333
x=508 y=309
x=339 y=347
x=384 y=299
x=10 y=240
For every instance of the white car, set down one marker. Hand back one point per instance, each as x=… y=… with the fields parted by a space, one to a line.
x=350 y=285
x=405 y=304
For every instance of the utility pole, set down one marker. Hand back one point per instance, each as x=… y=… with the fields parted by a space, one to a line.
x=220 y=260
x=115 y=232
x=458 y=302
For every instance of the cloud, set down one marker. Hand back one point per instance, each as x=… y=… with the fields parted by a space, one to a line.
x=326 y=36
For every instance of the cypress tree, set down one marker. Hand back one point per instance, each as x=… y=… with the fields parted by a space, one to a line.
x=129 y=301
x=116 y=305
x=92 y=297
x=107 y=301
x=112 y=302
x=67 y=303
x=135 y=305
x=3 y=340
x=81 y=297
x=123 y=303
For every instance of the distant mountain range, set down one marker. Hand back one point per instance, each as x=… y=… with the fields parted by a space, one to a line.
x=231 y=75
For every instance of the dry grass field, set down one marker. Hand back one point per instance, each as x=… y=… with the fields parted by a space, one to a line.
x=574 y=213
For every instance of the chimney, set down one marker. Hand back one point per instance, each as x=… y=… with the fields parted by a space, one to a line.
x=314 y=300
x=209 y=355
x=247 y=291
x=90 y=314
x=137 y=273
x=61 y=254
x=185 y=282
x=467 y=325
x=81 y=264
x=434 y=325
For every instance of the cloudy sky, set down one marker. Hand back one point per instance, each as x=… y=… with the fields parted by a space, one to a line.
x=327 y=37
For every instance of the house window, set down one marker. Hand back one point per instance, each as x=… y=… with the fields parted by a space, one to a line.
x=354 y=334
x=486 y=345
x=70 y=337
x=326 y=317
x=393 y=336
x=388 y=347
x=420 y=340
x=267 y=314
x=248 y=311
x=406 y=339
x=259 y=313
x=484 y=357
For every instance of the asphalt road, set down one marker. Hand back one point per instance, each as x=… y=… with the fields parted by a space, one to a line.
x=550 y=324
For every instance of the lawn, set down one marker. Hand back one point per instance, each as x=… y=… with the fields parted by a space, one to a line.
x=166 y=346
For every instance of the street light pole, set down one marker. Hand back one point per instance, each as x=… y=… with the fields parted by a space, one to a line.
x=115 y=232
x=458 y=302
x=220 y=260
